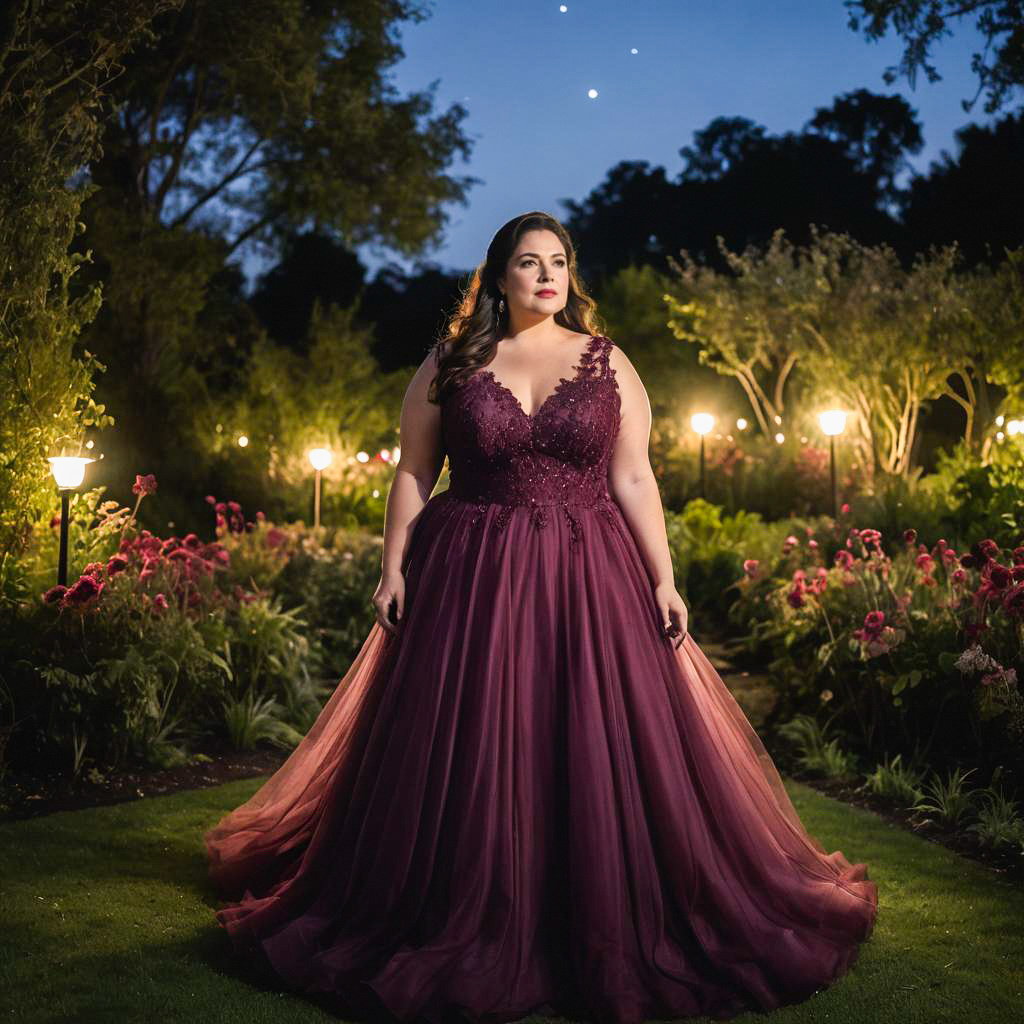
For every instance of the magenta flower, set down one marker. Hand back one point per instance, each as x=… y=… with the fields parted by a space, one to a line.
x=94 y=569
x=959 y=577
x=844 y=509
x=924 y=562
x=844 y=559
x=874 y=622
x=275 y=537
x=55 y=594
x=211 y=500
x=191 y=541
x=160 y=602
x=1013 y=600
x=795 y=597
x=1018 y=556
x=750 y=567
x=144 y=484
x=910 y=536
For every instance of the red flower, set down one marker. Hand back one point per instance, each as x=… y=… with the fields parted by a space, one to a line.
x=144 y=484
x=910 y=536
x=94 y=569
x=116 y=564
x=191 y=541
x=844 y=509
x=959 y=577
x=1000 y=576
x=160 y=602
x=796 y=596
x=1018 y=556
x=1013 y=600
x=83 y=591
x=989 y=548
x=844 y=559
x=924 y=562
x=211 y=500
x=750 y=567
x=874 y=623
x=55 y=594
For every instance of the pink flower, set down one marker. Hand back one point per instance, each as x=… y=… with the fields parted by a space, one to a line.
x=160 y=602
x=220 y=507
x=94 y=569
x=844 y=559
x=959 y=577
x=924 y=562
x=750 y=567
x=795 y=597
x=234 y=506
x=812 y=543
x=910 y=536
x=989 y=547
x=260 y=517
x=144 y=484
x=191 y=541
x=844 y=509
x=55 y=594
x=179 y=555
x=871 y=538
x=798 y=575
x=275 y=537
x=211 y=500
x=223 y=556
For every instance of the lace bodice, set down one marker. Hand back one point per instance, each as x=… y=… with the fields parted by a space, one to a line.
x=556 y=457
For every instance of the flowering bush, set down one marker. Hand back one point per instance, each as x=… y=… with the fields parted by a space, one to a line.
x=161 y=640
x=916 y=650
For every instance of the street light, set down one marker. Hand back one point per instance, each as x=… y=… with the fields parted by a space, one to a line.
x=320 y=458
x=69 y=472
x=833 y=422
x=702 y=422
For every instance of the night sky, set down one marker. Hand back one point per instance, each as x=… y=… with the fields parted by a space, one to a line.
x=524 y=69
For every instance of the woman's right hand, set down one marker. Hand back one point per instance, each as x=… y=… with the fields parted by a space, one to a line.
x=391 y=589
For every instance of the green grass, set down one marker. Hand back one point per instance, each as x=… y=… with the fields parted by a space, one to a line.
x=107 y=917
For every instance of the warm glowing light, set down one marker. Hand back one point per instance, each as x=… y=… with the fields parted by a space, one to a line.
x=778 y=419
x=832 y=422
x=68 y=471
x=89 y=444
x=741 y=424
x=320 y=458
x=803 y=440
x=999 y=421
x=376 y=493
x=999 y=435
x=780 y=437
x=702 y=422
x=1015 y=427
x=362 y=457
x=385 y=454
x=396 y=453
x=242 y=441
x=592 y=93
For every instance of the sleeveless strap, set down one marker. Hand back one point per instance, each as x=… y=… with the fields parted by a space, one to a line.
x=594 y=363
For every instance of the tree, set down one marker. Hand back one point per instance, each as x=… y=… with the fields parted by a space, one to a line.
x=920 y=23
x=875 y=131
x=55 y=81
x=241 y=124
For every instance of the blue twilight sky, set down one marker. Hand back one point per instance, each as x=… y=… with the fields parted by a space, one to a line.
x=523 y=70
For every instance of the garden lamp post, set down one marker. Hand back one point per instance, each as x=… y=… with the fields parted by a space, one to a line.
x=69 y=472
x=832 y=423
x=320 y=458
x=702 y=422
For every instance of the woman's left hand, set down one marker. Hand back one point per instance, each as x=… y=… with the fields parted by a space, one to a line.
x=674 y=616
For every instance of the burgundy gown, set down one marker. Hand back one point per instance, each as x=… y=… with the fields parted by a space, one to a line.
x=530 y=798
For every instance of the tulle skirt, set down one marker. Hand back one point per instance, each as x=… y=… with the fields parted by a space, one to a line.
x=530 y=798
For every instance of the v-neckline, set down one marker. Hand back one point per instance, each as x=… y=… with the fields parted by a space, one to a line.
x=562 y=382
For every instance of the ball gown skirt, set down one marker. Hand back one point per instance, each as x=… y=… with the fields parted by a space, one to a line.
x=530 y=797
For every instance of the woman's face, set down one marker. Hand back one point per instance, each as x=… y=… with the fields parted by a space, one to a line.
x=536 y=279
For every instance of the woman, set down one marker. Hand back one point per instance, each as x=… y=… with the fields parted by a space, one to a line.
x=531 y=790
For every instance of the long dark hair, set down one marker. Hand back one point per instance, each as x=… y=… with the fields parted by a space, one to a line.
x=474 y=329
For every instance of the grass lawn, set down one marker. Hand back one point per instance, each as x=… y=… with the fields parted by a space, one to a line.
x=107 y=917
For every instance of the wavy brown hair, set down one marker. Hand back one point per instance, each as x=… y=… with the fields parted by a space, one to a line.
x=474 y=329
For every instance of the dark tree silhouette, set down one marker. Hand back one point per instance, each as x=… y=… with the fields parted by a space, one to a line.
x=876 y=133
x=921 y=23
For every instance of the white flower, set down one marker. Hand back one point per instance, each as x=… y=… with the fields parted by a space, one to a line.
x=974 y=659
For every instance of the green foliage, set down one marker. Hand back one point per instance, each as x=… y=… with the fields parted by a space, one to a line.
x=896 y=781
x=951 y=801
x=251 y=718
x=999 y=822
x=815 y=753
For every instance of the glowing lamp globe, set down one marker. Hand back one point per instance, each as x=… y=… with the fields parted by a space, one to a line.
x=320 y=458
x=832 y=422
x=68 y=471
x=702 y=422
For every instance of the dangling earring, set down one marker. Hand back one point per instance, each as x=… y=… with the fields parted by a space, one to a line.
x=501 y=307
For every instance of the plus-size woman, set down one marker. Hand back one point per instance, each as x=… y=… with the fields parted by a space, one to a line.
x=531 y=790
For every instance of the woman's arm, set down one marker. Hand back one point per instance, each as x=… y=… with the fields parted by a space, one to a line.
x=419 y=466
x=632 y=484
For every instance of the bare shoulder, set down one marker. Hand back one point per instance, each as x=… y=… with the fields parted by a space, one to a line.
x=620 y=362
